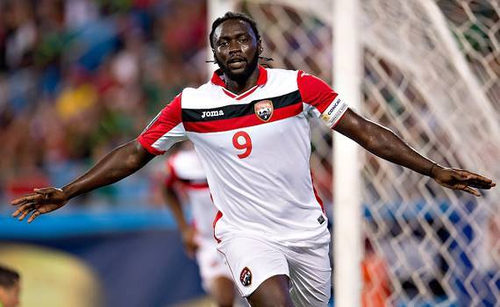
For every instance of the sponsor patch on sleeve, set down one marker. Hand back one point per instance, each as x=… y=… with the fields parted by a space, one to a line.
x=334 y=112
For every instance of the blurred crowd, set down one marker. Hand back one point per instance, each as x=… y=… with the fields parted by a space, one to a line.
x=79 y=77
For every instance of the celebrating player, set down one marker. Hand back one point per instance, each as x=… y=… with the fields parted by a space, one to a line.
x=186 y=181
x=249 y=128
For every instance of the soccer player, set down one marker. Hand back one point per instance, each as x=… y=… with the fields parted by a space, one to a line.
x=186 y=182
x=9 y=287
x=249 y=128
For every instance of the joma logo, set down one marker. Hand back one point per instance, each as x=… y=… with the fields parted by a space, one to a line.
x=212 y=113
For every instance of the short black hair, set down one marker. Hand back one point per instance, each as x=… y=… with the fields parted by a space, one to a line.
x=238 y=16
x=8 y=277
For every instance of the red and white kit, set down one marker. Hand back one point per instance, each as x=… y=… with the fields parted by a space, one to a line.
x=255 y=149
x=185 y=172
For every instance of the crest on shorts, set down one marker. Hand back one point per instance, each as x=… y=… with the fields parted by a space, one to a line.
x=264 y=109
x=246 y=277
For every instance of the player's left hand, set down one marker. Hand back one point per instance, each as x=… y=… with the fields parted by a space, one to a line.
x=458 y=179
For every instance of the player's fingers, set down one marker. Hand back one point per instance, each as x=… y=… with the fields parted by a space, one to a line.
x=19 y=202
x=16 y=213
x=466 y=188
x=25 y=199
x=488 y=182
x=22 y=209
x=35 y=214
x=26 y=211
x=480 y=184
x=473 y=176
x=471 y=191
x=23 y=215
x=44 y=190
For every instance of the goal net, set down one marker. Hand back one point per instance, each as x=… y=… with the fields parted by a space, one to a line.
x=431 y=74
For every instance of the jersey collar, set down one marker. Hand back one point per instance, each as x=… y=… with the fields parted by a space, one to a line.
x=217 y=77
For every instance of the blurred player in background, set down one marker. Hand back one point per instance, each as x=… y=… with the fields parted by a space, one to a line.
x=250 y=130
x=10 y=287
x=186 y=183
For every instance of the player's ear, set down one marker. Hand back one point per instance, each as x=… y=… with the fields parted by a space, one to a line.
x=260 y=49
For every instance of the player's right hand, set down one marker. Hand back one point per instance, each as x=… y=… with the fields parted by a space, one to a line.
x=39 y=202
x=189 y=241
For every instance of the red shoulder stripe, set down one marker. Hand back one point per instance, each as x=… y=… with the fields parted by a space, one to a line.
x=315 y=91
x=165 y=121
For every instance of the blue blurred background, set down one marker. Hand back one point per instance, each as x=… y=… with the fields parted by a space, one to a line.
x=77 y=78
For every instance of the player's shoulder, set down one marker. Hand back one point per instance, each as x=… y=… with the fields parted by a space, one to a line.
x=205 y=87
x=281 y=80
x=281 y=73
x=192 y=91
x=191 y=96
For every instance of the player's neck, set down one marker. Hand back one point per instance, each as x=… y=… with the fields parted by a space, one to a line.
x=240 y=86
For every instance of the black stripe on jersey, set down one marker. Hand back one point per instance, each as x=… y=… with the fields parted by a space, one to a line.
x=193 y=181
x=232 y=111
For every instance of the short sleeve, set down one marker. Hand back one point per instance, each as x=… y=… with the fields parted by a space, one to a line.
x=165 y=129
x=320 y=95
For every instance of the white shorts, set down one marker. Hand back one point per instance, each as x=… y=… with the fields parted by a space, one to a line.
x=210 y=262
x=254 y=260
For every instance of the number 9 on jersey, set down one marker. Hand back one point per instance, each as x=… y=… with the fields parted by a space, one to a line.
x=242 y=141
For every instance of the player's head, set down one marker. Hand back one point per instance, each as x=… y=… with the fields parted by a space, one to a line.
x=236 y=44
x=9 y=287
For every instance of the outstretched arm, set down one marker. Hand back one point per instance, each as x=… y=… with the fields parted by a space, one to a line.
x=387 y=145
x=116 y=165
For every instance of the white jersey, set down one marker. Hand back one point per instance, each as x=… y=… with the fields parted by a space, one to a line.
x=185 y=170
x=255 y=149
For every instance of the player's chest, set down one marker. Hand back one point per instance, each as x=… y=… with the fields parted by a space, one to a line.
x=242 y=127
x=216 y=112
x=256 y=141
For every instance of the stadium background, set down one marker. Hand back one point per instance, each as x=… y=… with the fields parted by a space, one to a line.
x=78 y=77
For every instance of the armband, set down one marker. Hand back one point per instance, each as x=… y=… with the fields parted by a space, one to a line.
x=334 y=112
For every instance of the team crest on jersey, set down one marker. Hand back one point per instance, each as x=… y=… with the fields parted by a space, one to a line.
x=264 y=109
x=246 y=277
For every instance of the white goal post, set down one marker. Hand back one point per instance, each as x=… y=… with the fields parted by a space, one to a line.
x=430 y=71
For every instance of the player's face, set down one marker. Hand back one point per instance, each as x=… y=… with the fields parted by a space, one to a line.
x=236 y=49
